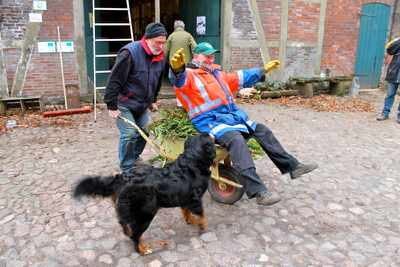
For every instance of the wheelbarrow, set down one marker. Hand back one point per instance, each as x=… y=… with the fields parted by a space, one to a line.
x=224 y=186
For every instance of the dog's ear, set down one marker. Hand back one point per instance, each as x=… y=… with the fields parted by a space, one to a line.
x=207 y=146
x=189 y=142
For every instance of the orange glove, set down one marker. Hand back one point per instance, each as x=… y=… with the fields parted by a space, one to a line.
x=272 y=65
x=178 y=60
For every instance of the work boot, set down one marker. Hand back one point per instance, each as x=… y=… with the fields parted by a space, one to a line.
x=302 y=169
x=267 y=198
x=140 y=163
x=383 y=117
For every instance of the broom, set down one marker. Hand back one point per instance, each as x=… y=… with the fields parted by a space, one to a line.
x=67 y=111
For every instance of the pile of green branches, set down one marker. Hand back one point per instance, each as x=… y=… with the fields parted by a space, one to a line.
x=176 y=124
x=173 y=124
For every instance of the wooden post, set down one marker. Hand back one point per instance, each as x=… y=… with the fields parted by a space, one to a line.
x=305 y=89
x=157 y=10
x=336 y=88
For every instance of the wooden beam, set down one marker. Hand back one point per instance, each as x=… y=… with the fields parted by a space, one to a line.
x=261 y=36
x=81 y=63
x=320 y=42
x=226 y=17
x=3 y=74
x=157 y=10
x=32 y=30
x=283 y=39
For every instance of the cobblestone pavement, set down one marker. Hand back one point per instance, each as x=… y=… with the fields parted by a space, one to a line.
x=345 y=213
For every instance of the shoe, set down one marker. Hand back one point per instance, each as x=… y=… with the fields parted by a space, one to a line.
x=302 y=169
x=383 y=117
x=140 y=163
x=398 y=119
x=266 y=198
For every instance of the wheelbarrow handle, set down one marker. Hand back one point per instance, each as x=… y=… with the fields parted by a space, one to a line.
x=140 y=131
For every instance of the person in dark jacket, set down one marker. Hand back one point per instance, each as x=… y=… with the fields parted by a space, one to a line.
x=132 y=90
x=393 y=79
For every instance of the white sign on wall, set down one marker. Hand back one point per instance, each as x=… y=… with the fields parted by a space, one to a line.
x=66 y=46
x=39 y=5
x=201 y=25
x=46 y=46
x=35 y=17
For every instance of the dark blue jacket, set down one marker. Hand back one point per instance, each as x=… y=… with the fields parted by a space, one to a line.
x=135 y=81
x=393 y=71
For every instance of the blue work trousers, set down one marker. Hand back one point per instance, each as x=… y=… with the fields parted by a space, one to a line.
x=131 y=143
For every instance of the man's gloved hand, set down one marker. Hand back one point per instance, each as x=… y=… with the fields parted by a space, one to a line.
x=178 y=60
x=272 y=65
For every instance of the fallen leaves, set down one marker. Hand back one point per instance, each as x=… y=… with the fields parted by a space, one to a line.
x=33 y=118
x=318 y=103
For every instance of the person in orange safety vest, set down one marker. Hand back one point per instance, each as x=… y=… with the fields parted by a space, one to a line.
x=206 y=93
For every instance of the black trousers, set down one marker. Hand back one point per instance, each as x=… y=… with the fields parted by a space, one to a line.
x=238 y=150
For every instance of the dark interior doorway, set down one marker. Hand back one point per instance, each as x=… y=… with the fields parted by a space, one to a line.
x=142 y=13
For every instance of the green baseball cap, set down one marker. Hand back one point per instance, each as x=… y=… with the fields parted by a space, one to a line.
x=205 y=48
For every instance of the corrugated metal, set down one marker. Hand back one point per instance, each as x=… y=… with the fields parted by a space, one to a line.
x=371 y=44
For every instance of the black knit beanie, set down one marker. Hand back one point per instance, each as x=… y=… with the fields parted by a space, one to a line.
x=154 y=30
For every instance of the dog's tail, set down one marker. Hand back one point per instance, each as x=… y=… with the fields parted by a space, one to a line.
x=98 y=186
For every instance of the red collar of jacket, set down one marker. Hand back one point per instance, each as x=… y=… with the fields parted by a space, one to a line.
x=147 y=49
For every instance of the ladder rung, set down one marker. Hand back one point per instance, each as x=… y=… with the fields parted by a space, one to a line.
x=112 y=24
x=110 y=9
x=110 y=55
x=102 y=71
x=109 y=40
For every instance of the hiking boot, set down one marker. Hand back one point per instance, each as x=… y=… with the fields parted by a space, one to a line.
x=140 y=163
x=302 y=169
x=383 y=117
x=266 y=198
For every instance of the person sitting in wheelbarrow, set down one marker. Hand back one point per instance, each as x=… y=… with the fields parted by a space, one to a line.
x=206 y=93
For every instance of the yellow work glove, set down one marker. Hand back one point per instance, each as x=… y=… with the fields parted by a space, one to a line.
x=272 y=65
x=388 y=44
x=178 y=60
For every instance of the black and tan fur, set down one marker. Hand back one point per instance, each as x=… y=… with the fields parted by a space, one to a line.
x=140 y=193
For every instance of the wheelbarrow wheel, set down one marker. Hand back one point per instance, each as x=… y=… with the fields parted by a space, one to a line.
x=230 y=194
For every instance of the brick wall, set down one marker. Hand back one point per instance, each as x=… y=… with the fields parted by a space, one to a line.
x=338 y=54
x=44 y=69
x=14 y=18
x=44 y=74
x=340 y=36
x=242 y=22
x=240 y=58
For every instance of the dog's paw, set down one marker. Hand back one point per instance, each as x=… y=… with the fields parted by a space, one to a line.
x=145 y=250
x=191 y=220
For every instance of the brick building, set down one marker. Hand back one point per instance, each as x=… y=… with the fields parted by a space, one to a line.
x=309 y=37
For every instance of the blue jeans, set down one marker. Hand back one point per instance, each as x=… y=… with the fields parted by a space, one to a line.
x=392 y=89
x=131 y=143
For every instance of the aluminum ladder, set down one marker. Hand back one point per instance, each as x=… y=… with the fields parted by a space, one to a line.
x=96 y=56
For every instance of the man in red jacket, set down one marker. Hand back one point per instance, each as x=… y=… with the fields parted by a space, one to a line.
x=206 y=93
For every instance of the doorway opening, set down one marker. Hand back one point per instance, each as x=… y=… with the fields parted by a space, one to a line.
x=142 y=13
